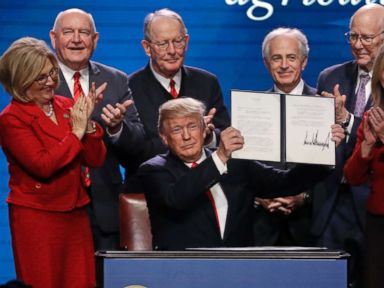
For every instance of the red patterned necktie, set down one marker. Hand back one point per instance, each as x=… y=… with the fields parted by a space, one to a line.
x=209 y=194
x=173 y=89
x=77 y=90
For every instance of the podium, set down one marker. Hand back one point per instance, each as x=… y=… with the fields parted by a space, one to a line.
x=222 y=268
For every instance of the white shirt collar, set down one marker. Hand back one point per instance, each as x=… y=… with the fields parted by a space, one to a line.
x=68 y=76
x=165 y=81
x=298 y=90
x=361 y=71
x=201 y=159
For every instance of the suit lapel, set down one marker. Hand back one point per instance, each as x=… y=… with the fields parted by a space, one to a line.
x=350 y=87
x=43 y=123
x=178 y=169
x=63 y=89
x=184 y=79
x=94 y=73
x=152 y=89
x=308 y=90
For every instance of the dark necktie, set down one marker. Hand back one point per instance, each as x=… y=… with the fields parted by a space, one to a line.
x=173 y=89
x=209 y=194
x=360 y=96
x=77 y=90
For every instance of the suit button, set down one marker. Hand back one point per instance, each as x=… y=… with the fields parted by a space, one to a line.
x=38 y=186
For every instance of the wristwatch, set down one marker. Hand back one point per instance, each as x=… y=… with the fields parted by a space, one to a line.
x=93 y=130
x=307 y=198
x=346 y=121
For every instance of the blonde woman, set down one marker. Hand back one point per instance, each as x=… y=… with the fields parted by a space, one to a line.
x=46 y=138
x=366 y=165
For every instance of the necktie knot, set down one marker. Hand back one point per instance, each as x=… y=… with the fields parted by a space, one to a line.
x=194 y=165
x=76 y=76
x=173 y=88
x=364 y=78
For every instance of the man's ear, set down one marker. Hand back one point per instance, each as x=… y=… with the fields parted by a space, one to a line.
x=52 y=35
x=204 y=130
x=186 y=42
x=305 y=61
x=266 y=63
x=164 y=139
x=95 y=39
x=146 y=47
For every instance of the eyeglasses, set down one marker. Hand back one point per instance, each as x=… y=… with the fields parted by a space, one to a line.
x=177 y=43
x=364 y=39
x=43 y=79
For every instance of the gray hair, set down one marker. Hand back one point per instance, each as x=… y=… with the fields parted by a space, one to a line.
x=282 y=31
x=161 y=13
x=72 y=10
x=180 y=107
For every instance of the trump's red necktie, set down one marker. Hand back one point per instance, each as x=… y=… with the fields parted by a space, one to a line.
x=209 y=194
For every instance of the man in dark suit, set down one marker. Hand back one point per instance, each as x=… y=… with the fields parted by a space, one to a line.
x=285 y=220
x=339 y=208
x=165 y=42
x=210 y=205
x=74 y=38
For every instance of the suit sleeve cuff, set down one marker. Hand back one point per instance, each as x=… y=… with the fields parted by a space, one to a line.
x=114 y=137
x=219 y=164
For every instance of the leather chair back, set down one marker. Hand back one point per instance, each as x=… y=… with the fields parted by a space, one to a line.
x=135 y=228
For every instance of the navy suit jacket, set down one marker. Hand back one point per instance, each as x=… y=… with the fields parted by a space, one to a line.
x=149 y=95
x=268 y=227
x=307 y=90
x=181 y=213
x=107 y=181
x=325 y=195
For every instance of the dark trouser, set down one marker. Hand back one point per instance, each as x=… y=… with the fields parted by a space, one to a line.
x=343 y=231
x=102 y=240
x=374 y=260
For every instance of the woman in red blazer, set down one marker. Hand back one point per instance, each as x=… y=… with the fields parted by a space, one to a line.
x=46 y=138
x=366 y=165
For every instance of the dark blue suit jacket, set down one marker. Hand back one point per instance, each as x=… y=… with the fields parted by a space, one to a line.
x=275 y=229
x=149 y=95
x=107 y=181
x=326 y=193
x=307 y=90
x=181 y=213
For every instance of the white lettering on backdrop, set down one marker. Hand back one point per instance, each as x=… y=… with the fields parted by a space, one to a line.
x=262 y=10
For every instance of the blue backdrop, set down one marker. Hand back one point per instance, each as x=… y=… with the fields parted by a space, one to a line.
x=225 y=38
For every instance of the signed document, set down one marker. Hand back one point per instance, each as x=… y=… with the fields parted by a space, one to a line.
x=284 y=128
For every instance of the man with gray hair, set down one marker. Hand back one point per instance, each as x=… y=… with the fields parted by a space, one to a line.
x=285 y=54
x=285 y=220
x=74 y=37
x=200 y=198
x=166 y=77
x=340 y=209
